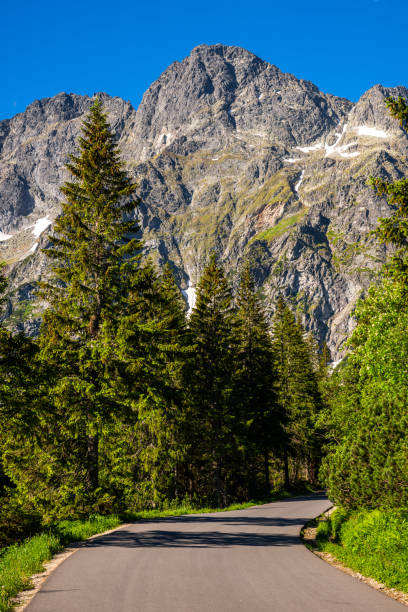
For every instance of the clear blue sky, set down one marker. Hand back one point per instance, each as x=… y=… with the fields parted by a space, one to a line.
x=121 y=46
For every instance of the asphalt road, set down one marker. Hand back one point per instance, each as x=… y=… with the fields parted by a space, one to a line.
x=248 y=560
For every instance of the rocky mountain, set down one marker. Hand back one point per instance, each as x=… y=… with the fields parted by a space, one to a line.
x=230 y=154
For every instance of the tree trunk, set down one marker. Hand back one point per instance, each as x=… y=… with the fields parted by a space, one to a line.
x=251 y=480
x=266 y=472
x=92 y=460
x=286 y=469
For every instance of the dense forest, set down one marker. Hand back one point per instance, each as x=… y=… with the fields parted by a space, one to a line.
x=125 y=401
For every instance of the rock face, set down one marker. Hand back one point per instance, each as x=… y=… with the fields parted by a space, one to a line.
x=230 y=154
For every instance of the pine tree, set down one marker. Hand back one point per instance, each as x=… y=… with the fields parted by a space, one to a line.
x=255 y=383
x=95 y=258
x=209 y=382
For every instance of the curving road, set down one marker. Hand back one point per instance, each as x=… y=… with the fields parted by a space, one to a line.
x=243 y=561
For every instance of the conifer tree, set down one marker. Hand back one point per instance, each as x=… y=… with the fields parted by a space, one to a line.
x=209 y=382
x=255 y=383
x=95 y=258
x=153 y=338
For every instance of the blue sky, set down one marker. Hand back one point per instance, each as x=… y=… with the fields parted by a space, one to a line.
x=343 y=46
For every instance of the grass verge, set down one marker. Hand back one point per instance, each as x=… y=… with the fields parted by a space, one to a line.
x=20 y=561
x=371 y=542
x=187 y=508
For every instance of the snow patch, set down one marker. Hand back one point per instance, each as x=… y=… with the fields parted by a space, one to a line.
x=298 y=184
x=351 y=154
x=333 y=364
x=291 y=160
x=341 y=150
x=190 y=295
x=332 y=148
x=215 y=158
x=365 y=130
x=40 y=226
x=314 y=147
x=165 y=139
x=4 y=237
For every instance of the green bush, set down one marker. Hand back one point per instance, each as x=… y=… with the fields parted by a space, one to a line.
x=76 y=530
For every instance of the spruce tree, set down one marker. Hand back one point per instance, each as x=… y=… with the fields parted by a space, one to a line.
x=21 y=408
x=95 y=259
x=255 y=384
x=153 y=341
x=209 y=384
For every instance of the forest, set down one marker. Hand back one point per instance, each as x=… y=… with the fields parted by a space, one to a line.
x=126 y=402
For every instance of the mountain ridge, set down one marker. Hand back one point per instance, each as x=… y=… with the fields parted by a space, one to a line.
x=230 y=154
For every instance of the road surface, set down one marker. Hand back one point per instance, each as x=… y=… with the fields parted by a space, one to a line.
x=243 y=561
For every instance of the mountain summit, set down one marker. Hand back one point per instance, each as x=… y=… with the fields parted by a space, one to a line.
x=217 y=90
x=230 y=154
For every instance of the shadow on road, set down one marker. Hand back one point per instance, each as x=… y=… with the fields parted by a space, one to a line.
x=226 y=519
x=212 y=530
x=185 y=539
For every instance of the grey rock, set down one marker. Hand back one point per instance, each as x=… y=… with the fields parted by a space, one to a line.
x=230 y=154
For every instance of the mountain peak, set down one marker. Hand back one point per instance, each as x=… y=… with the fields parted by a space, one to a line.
x=219 y=90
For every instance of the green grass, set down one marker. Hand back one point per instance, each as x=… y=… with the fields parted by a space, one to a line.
x=20 y=561
x=280 y=228
x=187 y=508
x=372 y=542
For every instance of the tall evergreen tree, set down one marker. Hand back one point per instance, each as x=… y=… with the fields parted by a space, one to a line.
x=255 y=383
x=95 y=259
x=209 y=382
x=153 y=339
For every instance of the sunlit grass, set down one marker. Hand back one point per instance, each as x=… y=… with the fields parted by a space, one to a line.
x=20 y=561
x=372 y=542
